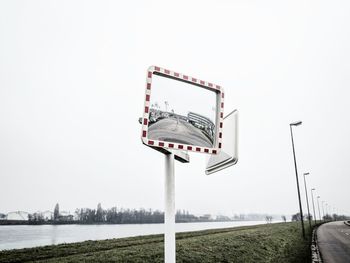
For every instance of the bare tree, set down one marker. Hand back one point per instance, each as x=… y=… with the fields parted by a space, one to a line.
x=268 y=219
x=99 y=213
x=56 y=212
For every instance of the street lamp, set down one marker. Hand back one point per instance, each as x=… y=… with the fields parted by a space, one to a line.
x=313 y=204
x=318 y=204
x=296 y=175
x=307 y=201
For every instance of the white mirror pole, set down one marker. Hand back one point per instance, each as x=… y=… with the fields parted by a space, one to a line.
x=169 y=213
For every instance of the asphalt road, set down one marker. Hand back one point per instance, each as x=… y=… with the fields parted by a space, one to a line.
x=334 y=242
x=178 y=131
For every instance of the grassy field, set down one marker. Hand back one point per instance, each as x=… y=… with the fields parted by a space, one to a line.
x=276 y=243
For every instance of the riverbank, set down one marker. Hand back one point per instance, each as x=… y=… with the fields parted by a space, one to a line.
x=31 y=223
x=73 y=222
x=281 y=242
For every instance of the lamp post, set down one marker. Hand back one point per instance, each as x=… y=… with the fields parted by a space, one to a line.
x=313 y=204
x=296 y=175
x=318 y=204
x=307 y=201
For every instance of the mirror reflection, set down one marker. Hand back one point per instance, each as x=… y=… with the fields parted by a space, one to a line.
x=181 y=112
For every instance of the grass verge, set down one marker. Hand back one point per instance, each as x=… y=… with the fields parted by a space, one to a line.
x=280 y=242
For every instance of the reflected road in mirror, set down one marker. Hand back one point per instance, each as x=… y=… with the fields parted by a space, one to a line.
x=178 y=131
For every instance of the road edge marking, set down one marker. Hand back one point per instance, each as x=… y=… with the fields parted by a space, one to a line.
x=315 y=252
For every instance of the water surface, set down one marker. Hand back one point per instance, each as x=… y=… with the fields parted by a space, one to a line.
x=24 y=236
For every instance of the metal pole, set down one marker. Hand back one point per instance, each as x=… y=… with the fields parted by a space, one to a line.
x=296 y=174
x=169 y=214
x=307 y=201
x=319 y=211
x=313 y=204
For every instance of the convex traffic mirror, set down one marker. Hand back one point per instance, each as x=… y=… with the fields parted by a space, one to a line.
x=182 y=112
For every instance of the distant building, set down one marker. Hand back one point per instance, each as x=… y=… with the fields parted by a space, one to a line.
x=222 y=218
x=202 y=122
x=65 y=216
x=17 y=215
x=206 y=217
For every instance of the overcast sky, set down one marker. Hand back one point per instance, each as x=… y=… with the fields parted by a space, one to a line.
x=72 y=80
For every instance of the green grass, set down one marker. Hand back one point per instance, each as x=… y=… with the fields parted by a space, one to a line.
x=264 y=243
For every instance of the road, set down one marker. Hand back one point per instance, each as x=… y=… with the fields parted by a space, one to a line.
x=334 y=242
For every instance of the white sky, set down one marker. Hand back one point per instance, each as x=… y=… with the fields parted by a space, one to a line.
x=72 y=79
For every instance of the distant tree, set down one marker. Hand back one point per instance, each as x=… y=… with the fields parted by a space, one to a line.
x=284 y=219
x=91 y=215
x=56 y=212
x=296 y=217
x=77 y=214
x=327 y=217
x=35 y=218
x=99 y=213
x=268 y=219
x=38 y=217
x=30 y=217
x=308 y=216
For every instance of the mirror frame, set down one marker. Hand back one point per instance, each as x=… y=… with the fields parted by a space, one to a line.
x=195 y=82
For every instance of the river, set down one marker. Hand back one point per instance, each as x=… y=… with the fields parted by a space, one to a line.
x=25 y=236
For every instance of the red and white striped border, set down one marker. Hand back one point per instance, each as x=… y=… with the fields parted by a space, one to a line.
x=176 y=146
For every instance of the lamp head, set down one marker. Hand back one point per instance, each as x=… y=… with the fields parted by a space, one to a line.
x=313 y=189
x=306 y=173
x=297 y=123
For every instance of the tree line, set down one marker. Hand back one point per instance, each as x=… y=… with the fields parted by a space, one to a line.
x=327 y=217
x=116 y=215
x=130 y=216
